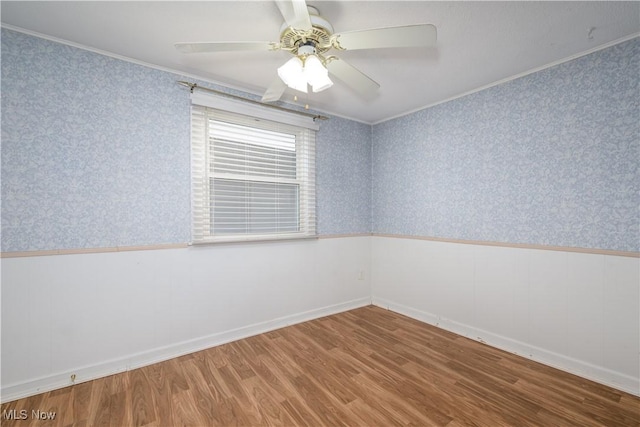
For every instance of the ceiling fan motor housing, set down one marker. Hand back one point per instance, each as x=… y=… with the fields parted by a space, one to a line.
x=319 y=36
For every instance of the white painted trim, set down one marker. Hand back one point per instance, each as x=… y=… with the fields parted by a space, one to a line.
x=595 y=251
x=514 y=77
x=577 y=367
x=63 y=379
x=79 y=251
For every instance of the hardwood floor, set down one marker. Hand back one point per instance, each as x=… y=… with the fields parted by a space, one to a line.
x=365 y=367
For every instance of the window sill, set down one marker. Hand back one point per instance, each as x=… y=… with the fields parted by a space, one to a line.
x=253 y=239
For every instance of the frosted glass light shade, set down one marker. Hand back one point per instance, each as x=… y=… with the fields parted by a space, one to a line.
x=292 y=74
x=296 y=75
x=316 y=74
x=313 y=69
x=322 y=83
x=300 y=85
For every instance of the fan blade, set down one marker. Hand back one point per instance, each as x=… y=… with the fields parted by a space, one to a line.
x=223 y=46
x=405 y=36
x=353 y=77
x=274 y=91
x=295 y=13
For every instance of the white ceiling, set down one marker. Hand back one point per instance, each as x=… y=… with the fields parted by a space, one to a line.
x=479 y=43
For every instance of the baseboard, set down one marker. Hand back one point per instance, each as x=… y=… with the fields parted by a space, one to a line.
x=88 y=373
x=577 y=367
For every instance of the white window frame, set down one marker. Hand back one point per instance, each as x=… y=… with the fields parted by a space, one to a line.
x=206 y=107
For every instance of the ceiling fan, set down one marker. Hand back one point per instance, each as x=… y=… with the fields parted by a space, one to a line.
x=309 y=37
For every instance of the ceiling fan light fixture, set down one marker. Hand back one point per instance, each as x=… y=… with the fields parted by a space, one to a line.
x=313 y=69
x=316 y=74
x=292 y=74
x=299 y=85
x=296 y=74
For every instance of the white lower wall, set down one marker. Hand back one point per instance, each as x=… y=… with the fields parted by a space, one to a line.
x=577 y=312
x=96 y=314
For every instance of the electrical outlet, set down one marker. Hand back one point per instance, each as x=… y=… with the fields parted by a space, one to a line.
x=361 y=275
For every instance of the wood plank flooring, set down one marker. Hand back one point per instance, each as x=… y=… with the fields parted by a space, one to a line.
x=365 y=367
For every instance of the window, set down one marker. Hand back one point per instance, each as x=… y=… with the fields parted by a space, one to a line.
x=252 y=178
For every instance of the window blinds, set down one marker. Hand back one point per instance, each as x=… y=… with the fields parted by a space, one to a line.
x=252 y=178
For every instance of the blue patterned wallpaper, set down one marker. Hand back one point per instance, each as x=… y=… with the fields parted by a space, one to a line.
x=95 y=153
x=551 y=158
x=343 y=190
